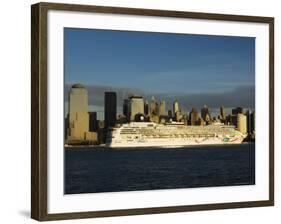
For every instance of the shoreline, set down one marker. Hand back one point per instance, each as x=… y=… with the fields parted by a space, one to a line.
x=70 y=147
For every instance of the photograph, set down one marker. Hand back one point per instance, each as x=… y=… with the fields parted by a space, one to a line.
x=139 y=111
x=157 y=111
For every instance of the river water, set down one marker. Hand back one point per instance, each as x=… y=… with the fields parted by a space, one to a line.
x=97 y=169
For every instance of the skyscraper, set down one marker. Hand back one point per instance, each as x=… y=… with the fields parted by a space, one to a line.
x=178 y=116
x=253 y=120
x=78 y=112
x=250 y=121
x=222 y=113
x=146 y=108
x=242 y=123
x=136 y=107
x=126 y=108
x=206 y=113
x=238 y=110
x=162 y=108
x=153 y=106
x=194 y=117
x=66 y=126
x=233 y=120
x=176 y=108
x=93 y=122
x=170 y=114
x=110 y=102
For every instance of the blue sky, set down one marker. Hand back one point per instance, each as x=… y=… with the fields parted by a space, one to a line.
x=159 y=62
x=178 y=66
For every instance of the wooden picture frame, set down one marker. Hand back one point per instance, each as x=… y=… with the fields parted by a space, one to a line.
x=39 y=109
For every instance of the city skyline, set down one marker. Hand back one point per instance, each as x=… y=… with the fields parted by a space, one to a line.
x=84 y=127
x=187 y=102
x=194 y=69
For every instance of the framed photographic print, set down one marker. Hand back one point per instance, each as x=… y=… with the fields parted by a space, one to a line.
x=139 y=111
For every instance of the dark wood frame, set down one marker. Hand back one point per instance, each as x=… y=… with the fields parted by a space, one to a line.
x=39 y=110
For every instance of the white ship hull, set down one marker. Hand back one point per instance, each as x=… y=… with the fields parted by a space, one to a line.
x=172 y=143
x=155 y=135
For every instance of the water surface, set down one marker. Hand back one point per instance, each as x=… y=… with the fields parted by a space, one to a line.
x=92 y=170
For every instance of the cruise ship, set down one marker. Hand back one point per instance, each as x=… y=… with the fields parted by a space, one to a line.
x=173 y=134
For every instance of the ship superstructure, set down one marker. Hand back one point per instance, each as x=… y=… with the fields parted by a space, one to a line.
x=149 y=134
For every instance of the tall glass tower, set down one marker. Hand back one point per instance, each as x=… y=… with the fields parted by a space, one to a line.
x=110 y=113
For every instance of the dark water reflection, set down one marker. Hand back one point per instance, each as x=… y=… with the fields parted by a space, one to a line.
x=89 y=170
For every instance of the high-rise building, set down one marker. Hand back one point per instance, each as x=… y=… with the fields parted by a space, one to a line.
x=153 y=106
x=66 y=126
x=200 y=121
x=136 y=107
x=78 y=113
x=222 y=113
x=206 y=114
x=162 y=108
x=146 y=108
x=170 y=114
x=185 y=119
x=178 y=116
x=238 y=110
x=93 y=122
x=250 y=121
x=126 y=108
x=194 y=117
x=253 y=120
x=110 y=107
x=242 y=123
x=233 y=120
x=176 y=108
